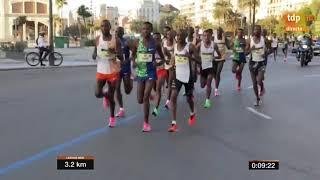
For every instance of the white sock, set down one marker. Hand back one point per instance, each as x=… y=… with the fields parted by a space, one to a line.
x=121 y=109
x=168 y=101
x=173 y=122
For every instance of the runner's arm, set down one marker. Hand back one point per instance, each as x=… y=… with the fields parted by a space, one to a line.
x=217 y=50
x=119 y=50
x=94 y=54
x=248 y=50
x=133 y=48
x=160 y=52
x=194 y=54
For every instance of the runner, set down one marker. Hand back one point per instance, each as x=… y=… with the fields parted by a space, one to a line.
x=206 y=49
x=193 y=39
x=285 y=47
x=184 y=54
x=221 y=41
x=274 y=45
x=268 y=49
x=106 y=49
x=125 y=72
x=161 y=75
x=168 y=45
x=239 y=57
x=143 y=51
x=256 y=46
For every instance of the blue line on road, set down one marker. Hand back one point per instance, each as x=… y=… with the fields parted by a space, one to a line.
x=60 y=147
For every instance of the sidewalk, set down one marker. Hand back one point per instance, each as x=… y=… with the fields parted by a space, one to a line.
x=72 y=57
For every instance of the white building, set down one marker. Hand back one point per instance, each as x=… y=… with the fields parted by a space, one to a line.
x=103 y=10
x=112 y=14
x=147 y=10
x=277 y=7
x=37 y=16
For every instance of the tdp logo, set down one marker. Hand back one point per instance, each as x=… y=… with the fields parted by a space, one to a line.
x=293 y=18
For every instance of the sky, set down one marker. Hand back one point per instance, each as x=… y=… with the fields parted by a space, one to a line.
x=123 y=5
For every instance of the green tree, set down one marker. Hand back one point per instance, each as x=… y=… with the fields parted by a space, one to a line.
x=167 y=20
x=268 y=23
x=206 y=25
x=221 y=10
x=136 y=26
x=60 y=4
x=315 y=8
x=84 y=12
x=250 y=5
x=181 y=22
x=280 y=27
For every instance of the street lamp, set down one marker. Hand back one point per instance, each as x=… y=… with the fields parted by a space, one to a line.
x=51 y=61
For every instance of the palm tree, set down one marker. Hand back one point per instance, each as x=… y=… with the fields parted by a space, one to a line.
x=249 y=5
x=222 y=7
x=60 y=4
x=84 y=12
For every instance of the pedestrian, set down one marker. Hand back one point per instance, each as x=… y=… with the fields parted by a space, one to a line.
x=143 y=51
x=207 y=48
x=274 y=46
x=43 y=48
x=107 y=48
x=256 y=47
x=239 y=58
x=184 y=54
x=221 y=41
x=125 y=72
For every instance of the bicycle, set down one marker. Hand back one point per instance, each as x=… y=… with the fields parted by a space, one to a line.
x=33 y=58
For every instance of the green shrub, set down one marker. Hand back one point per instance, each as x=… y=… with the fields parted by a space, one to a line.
x=90 y=42
x=20 y=46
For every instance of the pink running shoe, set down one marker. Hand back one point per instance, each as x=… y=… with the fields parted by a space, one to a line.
x=120 y=113
x=112 y=122
x=105 y=102
x=216 y=92
x=238 y=88
x=146 y=127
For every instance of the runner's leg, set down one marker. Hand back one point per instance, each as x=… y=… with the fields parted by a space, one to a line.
x=146 y=101
x=99 y=88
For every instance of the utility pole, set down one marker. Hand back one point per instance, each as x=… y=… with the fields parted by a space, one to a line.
x=254 y=14
x=51 y=60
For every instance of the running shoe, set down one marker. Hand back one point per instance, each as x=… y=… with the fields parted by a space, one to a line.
x=155 y=112
x=105 y=102
x=173 y=128
x=192 y=120
x=120 y=113
x=207 y=103
x=112 y=122
x=257 y=103
x=238 y=88
x=216 y=92
x=146 y=127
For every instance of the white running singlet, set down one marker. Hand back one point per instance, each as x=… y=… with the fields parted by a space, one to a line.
x=257 y=55
x=106 y=59
x=206 y=55
x=182 y=64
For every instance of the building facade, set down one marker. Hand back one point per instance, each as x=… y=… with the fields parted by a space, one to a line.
x=277 y=7
x=37 y=19
x=147 y=10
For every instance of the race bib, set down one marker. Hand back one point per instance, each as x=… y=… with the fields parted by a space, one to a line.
x=206 y=57
x=106 y=54
x=181 y=59
x=257 y=54
x=239 y=50
x=144 y=57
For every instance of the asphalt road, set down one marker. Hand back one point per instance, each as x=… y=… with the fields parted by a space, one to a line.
x=51 y=112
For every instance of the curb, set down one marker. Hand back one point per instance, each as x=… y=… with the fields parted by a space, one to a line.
x=47 y=67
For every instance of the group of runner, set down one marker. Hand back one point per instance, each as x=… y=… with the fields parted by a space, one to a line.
x=173 y=62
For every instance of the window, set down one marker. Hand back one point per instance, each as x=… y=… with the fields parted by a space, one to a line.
x=41 y=8
x=29 y=7
x=17 y=8
x=201 y=7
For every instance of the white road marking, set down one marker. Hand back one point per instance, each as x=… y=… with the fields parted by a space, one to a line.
x=250 y=87
x=312 y=75
x=258 y=113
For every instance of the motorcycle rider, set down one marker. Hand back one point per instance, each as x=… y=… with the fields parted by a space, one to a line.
x=306 y=40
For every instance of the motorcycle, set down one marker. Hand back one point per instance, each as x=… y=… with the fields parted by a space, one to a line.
x=305 y=53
